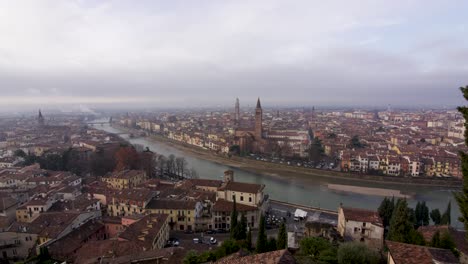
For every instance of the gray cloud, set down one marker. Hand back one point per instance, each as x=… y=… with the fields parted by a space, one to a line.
x=160 y=53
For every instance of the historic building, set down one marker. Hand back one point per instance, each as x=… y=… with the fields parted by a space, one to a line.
x=40 y=119
x=252 y=139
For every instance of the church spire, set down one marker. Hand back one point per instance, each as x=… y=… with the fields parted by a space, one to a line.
x=258 y=103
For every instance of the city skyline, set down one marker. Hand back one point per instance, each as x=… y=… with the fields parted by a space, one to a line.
x=159 y=54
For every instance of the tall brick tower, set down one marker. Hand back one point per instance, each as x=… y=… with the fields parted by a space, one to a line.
x=258 y=121
x=237 y=110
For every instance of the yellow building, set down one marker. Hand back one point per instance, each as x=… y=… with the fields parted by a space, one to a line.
x=125 y=179
x=181 y=213
x=128 y=202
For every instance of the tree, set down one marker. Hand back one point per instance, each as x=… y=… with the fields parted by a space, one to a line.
x=355 y=142
x=435 y=216
x=148 y=162
x=233 y=225
x=170 y=164
x=227 y=247
x=271 y=246
x=443 y=240
x=356 y=253
x=424 y=214
x=262 y=237
x=249 y=239
x=316 y=150
x=19 y=153
x=282 y=237
x=446 y=219
x=435 y=240
x=242 y=228
x=191 y=257
x=312 y=246
x=181 y=165
x=127 y=158
x=400 y=223
x=386 y=210
x=462 y=196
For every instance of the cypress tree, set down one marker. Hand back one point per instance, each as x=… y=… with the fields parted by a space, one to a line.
x=272 y=244
x=282 y=237
x=262 y=242
x=249 y=239
x=435 y=241
x=462 y=197
x=435 y=216
x=233 y=225
x=242 y=228
x=425 y=214
x=400 y=224
x=386 y=210
x=446 y=219
x=418 y=214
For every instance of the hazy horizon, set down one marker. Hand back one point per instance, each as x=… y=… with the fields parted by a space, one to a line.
x=179 y=54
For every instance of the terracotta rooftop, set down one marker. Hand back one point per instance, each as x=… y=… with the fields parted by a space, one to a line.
x=63 y=248
x=144 y=231
x=226 y=206
x=273 y=257
x=161 y=256
x=91 y=251
x=362 y=215
x=411 y=254
x=242 y=187
x=126 y=174
x=171 y=204
x=205 y=182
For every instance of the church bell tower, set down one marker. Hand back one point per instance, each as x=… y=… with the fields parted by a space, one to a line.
x=258 y=121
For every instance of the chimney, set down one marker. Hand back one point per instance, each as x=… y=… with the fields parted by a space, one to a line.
x=229 y=176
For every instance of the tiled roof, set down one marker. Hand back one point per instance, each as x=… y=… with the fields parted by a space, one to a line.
x=411 y=254
x=144 y=231
x=171 y=204
x=242 y=187
x=429 y=231
x=273 y=257
x=226 y=206
x=65 y=246
x=165 y=255
x=362 y=215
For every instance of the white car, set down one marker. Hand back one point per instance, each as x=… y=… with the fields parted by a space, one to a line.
x=213 y=241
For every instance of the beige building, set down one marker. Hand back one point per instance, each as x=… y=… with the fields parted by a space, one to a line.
x=128 y=202
x=181 y=213
x=245 y=193
x=125 y=179
x=361 y=225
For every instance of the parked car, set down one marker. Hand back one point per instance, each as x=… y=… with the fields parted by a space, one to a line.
x=210 y=232
x=173 y=242
x=213 y=241
x=188 y=231
x=221 y=231
x=196 y=240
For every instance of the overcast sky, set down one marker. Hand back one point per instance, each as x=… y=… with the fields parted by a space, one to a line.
x=199 y=53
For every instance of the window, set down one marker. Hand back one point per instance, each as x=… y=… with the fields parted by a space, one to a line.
x=242 y=198
x=250 y=199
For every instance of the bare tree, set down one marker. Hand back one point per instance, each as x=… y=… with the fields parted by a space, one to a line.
x=170 y=164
